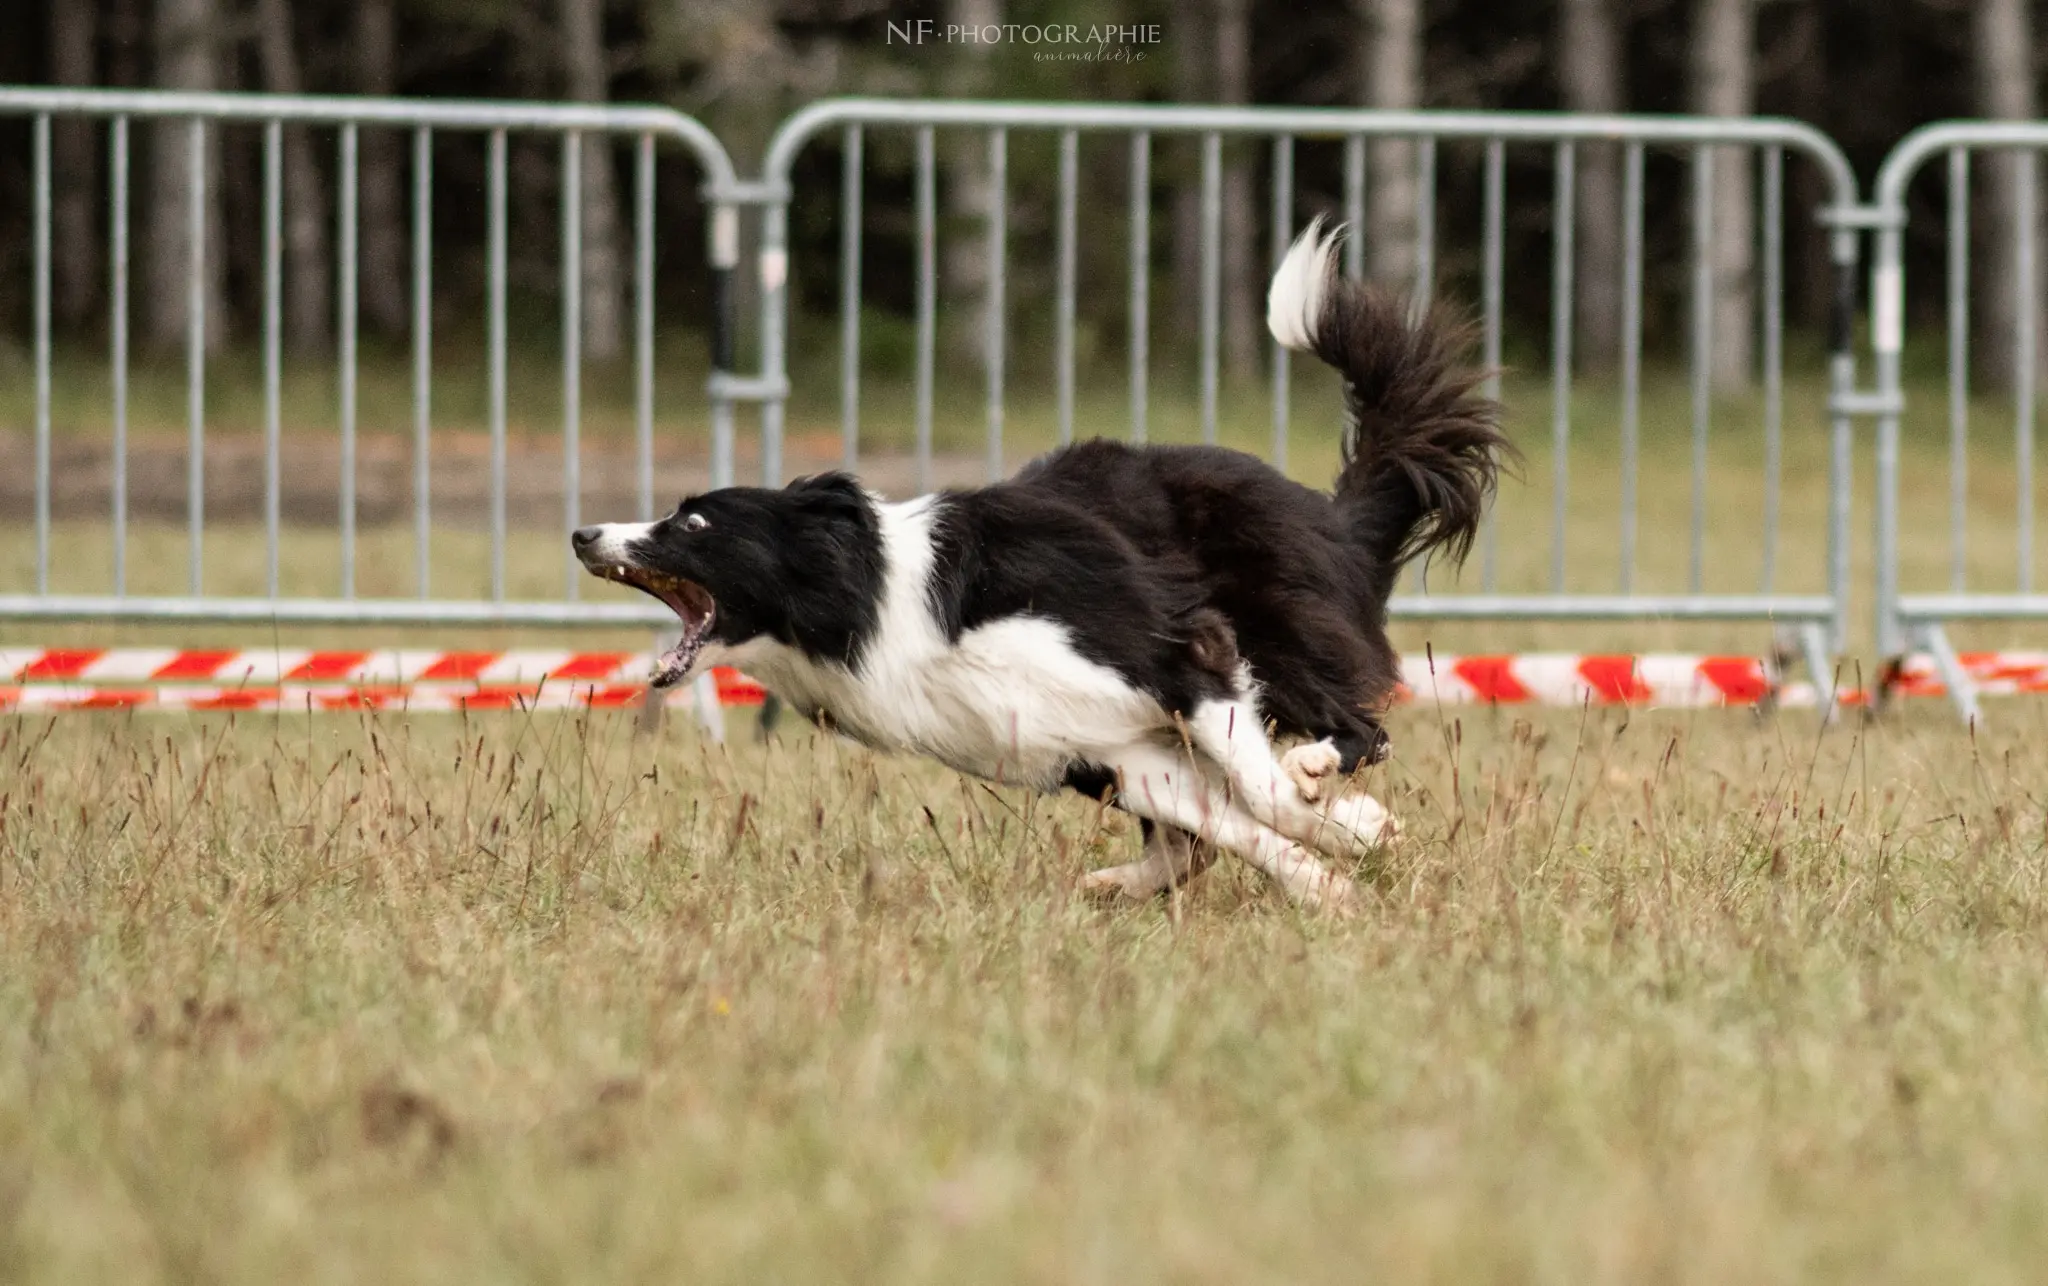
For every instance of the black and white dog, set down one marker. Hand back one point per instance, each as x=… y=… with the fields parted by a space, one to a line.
x=1133 y=621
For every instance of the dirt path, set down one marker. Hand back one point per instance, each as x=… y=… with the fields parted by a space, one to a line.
x=309 y=469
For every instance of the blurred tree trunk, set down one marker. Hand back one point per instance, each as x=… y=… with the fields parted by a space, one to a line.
x=1392 y=78
x=1242 y=316
x=1724 y=84
x=967 y=189
x=588 y=69
x=74 y=168
x=184 y=35
x=1192 y=77
x=1589 y=68
x=307 y=294
x=2004 y=48
x=127 y=40
x=382 y=205
x=1810 y=272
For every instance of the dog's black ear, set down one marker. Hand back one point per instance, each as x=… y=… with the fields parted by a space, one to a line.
x=827 y=483
x=834 y=496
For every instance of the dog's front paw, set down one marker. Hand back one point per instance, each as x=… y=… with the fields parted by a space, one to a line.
x=1132 y=882
x=1365 y=820
x=1308 y=765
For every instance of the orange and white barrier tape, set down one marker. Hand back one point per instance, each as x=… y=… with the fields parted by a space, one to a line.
x=1571 y=679
x=1996 y=674
x=271 y=666
x=426 y=680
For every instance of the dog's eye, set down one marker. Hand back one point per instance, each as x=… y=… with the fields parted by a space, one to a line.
x=696 y=522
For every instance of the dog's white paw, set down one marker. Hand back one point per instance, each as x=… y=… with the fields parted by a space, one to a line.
x=1133 y=881
x=1308 y=764
x=1317 y=888
x=1364 y=819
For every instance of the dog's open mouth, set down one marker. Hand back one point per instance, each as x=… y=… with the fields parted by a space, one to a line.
x=692 y=604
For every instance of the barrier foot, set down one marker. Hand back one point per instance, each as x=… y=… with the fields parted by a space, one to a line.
x=1813 y=646
x=1962 y=689
x=704 y=700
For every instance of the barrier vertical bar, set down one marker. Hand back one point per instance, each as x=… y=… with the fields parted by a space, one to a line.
x=572 y=355
x=422 y=352
x=2026 y=349
x=1063 y=291
x=1843 y=244
x=1774 y=353
x=1425 y=228
x=1631 y=354
x=1212 y=277
x=117 y=339
x=345 y=328
x=1493 y=218
x=41 y=238
x=1887 y=326
x=195 y=354
x=850 y=175
x=927 y=300
x=1141 y=275
x=643 y=325
x=774 y=267
x=992 y=321
x=1424 y=290
x=1562 y=221
x=724 y=255
x=1354 y=206
x=1958 y=363
x=1702 y=349
x=1283 y=228
x=496 y=324
x=273 y=357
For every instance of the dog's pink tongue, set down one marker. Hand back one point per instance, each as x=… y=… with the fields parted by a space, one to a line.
x=672 y=665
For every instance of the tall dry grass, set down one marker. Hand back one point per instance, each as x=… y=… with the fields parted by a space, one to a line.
x=1648 y=997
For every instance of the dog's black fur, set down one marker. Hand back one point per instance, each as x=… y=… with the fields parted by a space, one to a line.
x=1169 y=564
x=1302 y=577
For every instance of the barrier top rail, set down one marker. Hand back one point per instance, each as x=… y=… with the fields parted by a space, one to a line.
x=1912 y=151
x=336 y=109
x=1331 y=122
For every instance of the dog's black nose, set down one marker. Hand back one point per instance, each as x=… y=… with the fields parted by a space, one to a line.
x=583 y=538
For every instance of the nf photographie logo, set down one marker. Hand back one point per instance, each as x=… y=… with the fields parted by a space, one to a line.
x=1051 y=41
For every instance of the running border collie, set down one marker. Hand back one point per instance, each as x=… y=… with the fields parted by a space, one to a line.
x=1136 y=622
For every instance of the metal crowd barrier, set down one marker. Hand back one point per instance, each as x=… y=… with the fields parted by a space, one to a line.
x=645 y=129
x=1816 y=617
x=1906 y=616
x=1919 y=618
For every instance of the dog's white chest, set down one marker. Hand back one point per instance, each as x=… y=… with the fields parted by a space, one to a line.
x=1010 y=701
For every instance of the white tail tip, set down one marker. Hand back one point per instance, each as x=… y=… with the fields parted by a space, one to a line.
x=1294 y=302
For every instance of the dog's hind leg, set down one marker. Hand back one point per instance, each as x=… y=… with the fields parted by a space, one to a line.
x=1172 y=858
x=1170 y=788
x=1230 y=733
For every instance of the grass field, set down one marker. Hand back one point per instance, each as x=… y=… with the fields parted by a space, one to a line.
x=1649 y=997
x=1654 y=998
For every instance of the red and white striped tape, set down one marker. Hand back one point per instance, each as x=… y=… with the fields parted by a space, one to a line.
x=1996 y=674
x=424 y=698
x=271 y=666
x=1571 y=679
x=428 y=680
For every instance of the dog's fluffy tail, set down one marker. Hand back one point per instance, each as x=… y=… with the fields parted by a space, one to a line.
x=1422 y=447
